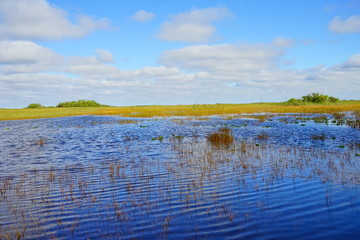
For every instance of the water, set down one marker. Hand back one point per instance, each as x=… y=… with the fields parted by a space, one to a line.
x=113 y=178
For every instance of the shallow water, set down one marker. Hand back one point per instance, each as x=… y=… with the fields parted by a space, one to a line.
x=106 y=178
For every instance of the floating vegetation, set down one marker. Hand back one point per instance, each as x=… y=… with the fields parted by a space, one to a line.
x=176 y=138
x=238 y=126
x=160 y=138
x=321 y=119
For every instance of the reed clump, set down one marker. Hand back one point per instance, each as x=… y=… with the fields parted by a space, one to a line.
x=222 y=137
x=263 y=136
x=318 y=137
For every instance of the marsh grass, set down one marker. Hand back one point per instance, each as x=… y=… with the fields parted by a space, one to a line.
x=318 y=137
x=178 y=110
x=222 y=137
x=127 y=121
x=263 y=136
x=354 y=123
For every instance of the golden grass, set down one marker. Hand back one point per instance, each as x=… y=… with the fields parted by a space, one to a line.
x=16 y=114
x=177 y=110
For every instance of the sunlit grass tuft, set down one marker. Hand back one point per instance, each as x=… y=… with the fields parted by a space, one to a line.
x=222 y=137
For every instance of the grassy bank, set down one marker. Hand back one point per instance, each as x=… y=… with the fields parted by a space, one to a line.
x=178 y=110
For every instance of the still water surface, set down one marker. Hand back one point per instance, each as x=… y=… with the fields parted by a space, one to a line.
x=114 y=178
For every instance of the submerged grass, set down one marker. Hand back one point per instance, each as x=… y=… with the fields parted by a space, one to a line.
x=178 y=110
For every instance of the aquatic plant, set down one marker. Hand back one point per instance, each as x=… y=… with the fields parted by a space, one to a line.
x=40 y=142
x=222 y=137
x=263 y=136
x=127 y=121
x=160 y=138
x=354 y=123
x=318 y=136
x=176 y=138
x=321 y=119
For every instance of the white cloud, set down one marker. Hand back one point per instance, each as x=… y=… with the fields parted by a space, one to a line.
x=350 y=25
x=222 y=57
x=27 y=57
x=37 y=19
x=104 y=56
x=20 y=52
x=195 y=26
x=194 y=74
x=143 y=16
x=352 y=62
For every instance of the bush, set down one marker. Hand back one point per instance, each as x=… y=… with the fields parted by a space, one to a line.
x=295 y=102
x=315 y=98
x=35 y=105
x=80 y=103
x=334 y=99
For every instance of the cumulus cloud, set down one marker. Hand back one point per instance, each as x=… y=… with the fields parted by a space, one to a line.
x=194 y=74
x=27 y=57
x=20 y=52
x=143 y=16
x=222 y=57
x=195 y=26
x=37 y=19
x=350 y=25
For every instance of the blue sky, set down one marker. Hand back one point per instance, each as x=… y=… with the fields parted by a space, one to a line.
x=177 y=52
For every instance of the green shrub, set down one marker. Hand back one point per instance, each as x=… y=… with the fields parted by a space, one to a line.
x=295 y=102
x=334 y=99
x=35 y=105
x=80 y=103
x=313 y=98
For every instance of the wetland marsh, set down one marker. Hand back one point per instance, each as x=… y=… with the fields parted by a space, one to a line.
x=281 y=176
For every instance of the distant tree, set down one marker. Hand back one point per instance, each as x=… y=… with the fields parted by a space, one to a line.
x=80 y=103
x=316 y=98
x=35 y=105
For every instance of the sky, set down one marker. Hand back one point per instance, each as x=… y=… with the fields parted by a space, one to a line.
x=141 y=52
